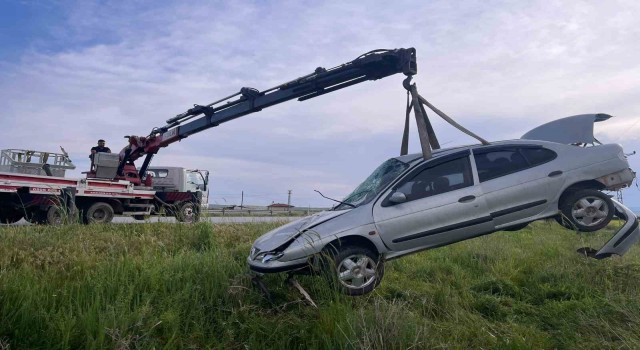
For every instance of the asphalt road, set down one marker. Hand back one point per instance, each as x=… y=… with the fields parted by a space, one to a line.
x=216 y=219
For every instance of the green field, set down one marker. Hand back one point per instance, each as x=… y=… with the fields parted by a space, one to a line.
x=144 y=286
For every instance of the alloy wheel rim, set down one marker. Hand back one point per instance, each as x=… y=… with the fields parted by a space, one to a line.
x=590 y=211
x=357 y=271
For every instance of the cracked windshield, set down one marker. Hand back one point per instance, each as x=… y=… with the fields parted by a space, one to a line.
x=375 y=183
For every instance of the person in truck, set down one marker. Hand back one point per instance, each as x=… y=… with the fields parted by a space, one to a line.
x=100 y=148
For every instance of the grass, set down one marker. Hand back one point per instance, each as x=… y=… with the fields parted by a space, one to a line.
x=169 y=286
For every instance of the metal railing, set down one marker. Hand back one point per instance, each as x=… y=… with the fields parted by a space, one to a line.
x=33 y=162
x=264 y=212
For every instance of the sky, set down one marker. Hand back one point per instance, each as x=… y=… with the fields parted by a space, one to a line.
x=72 y=72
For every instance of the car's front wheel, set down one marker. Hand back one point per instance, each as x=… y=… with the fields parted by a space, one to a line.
x=587 y=210
x=357 y=270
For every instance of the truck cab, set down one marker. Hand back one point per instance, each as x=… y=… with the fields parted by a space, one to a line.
x=177 y=189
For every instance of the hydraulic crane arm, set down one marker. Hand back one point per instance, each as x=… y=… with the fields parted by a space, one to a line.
x=373 y=65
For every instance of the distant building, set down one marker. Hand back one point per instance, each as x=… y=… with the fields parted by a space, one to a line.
x=280 y=206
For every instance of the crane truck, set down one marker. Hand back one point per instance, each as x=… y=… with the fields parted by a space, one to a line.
x=33 y=186
x=115 y=185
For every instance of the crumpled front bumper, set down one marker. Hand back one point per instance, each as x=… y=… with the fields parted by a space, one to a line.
x=274 y=266
x=622 y=240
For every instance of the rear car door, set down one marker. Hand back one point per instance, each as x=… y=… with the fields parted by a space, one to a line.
x=518 y=181
x=443 y=205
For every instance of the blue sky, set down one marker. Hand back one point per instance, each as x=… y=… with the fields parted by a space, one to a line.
x=72 y=72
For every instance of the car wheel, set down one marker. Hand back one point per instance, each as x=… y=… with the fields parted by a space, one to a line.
x=587 y=210
x=98 y=213
x=357 y=270
x=186 y=213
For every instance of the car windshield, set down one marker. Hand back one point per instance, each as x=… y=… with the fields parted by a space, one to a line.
x=376 y=182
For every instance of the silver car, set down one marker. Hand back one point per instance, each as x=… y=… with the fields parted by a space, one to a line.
x=408 y=204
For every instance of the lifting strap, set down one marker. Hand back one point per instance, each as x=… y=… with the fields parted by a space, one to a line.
x=404 y=148
x=428 y=139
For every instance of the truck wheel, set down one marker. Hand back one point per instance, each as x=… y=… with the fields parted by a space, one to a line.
x=10 y=216
x=587 y=210
x=98 y=213
x=186 y=212
x=54 y=216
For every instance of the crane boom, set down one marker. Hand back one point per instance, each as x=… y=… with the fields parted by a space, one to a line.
x=372 y=65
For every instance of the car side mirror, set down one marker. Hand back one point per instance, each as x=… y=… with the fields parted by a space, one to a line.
x=398 y=197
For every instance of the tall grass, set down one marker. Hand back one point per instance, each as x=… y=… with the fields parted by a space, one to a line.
x=143 y=286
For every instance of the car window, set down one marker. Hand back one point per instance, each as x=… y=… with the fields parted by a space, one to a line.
x=537 y=156
x=386 y=173
x=442 y=178
x=493 y=164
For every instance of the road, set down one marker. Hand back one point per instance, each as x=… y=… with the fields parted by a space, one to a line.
x=214 y=219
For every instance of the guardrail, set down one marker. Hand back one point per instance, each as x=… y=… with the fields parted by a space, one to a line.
x=264 y=212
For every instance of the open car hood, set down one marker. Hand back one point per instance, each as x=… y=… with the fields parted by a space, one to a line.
x=574 y=129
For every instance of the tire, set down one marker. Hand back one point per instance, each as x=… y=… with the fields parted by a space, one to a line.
x=356 y=270
x=53 y=216
x=98 y=213
x=36 y=216
x=186 y=212
x=586 y=210
x=10 y=215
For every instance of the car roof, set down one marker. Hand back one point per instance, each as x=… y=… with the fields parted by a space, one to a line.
x=446 y=151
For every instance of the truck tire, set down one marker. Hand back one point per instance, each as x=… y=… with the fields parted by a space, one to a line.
x=98 y=213
x=10 y=215
x=186 y=212
x=53 y=216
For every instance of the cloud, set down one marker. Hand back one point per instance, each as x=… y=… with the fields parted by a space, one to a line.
x=498 y=67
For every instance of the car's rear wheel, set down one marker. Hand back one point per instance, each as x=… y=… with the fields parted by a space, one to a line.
x=356 y=270
x=586 y=210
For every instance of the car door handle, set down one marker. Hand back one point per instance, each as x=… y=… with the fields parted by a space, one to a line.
x=466 y=199
x=555 y=173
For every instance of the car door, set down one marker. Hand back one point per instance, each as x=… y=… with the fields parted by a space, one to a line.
x=518 y=181
x=443 y=205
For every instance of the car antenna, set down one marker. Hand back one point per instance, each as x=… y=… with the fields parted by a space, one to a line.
x=335 y=200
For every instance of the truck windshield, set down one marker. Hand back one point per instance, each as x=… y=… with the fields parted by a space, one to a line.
x=195 y=178
x=376 y=182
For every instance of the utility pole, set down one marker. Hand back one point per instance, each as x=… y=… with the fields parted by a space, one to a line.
x=289 y=200
x=242 y=200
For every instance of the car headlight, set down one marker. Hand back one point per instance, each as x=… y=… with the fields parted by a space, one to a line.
x=268 y=256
